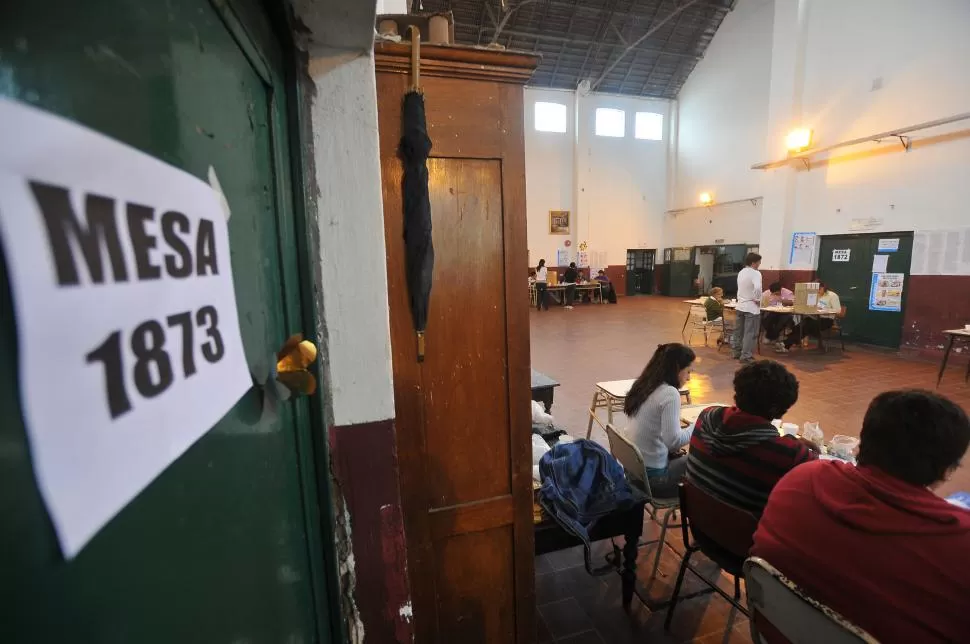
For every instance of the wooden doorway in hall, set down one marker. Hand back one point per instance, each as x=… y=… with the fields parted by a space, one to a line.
x=639 y=271
x=847 y=265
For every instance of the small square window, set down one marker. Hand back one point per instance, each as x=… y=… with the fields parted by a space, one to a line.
x=649 y=126
x=550 y=117
x=610 y=122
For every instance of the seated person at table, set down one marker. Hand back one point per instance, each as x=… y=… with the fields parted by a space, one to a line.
x=609 y=294
x=873 y=542
x=774 y=324
x=653 y=407
x=714 y=304
x=736 y=453
x=813 y=326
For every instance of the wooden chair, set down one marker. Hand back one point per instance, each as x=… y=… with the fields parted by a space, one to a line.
x=782 y=612
x=631 y=459
x=721 y=531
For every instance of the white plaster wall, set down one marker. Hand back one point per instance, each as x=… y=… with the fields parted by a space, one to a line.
x=351 y=219
x=722 y=110
x=548 y=173
x=735 y=223
x=922 y=56
x=776 y=65
x=621 y=193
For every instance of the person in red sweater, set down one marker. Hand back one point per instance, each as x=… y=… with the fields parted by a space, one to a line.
x=873 y=542
x=735 y=452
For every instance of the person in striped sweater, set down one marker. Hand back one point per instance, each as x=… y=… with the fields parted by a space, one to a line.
x=735 y=452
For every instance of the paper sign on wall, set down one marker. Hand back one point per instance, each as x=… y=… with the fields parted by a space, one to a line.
x=880 y=263
x=886 y=293
x=562 y=257
x=841 y=254
x=126 y=315
x=802 y=250
x=889 y=245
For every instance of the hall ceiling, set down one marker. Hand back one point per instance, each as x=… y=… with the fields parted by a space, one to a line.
x=634 y=47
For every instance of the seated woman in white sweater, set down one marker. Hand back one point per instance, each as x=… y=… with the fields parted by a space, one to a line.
x=653 y=407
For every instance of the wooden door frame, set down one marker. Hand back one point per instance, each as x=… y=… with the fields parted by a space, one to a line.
x=297 y=218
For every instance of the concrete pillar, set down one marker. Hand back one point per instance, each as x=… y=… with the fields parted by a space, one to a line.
x=784 y=113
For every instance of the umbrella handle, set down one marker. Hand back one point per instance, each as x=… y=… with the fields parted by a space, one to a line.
x=420 y=346
x=415 y=57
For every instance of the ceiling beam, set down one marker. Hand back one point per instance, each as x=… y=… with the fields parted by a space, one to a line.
x=578 y=42
x=594 y=11
x=598 y=37
x=542 y=21
x=639 y=40
x=694 y=38
x=636 y=54
x=562 y=49
x=666 y=44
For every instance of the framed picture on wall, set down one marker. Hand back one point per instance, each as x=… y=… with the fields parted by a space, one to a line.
x=558 y=222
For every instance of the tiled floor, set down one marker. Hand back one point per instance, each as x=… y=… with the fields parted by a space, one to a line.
x=594 y=343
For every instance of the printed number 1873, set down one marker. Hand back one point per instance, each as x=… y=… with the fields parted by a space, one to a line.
x=153 y=372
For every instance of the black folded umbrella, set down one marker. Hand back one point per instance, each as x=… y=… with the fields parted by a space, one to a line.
x=419 y=249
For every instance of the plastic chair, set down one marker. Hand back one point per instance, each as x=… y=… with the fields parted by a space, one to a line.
x=723 y=532
x=631 y=459
x=783 y=612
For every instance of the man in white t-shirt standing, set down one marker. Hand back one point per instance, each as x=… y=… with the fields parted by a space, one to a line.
x=749 y=309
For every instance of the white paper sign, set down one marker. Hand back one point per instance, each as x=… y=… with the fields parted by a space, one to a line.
x=890 y=245
x=841 y=254
x=126 y=315
x=802 y=250
x=880 y=263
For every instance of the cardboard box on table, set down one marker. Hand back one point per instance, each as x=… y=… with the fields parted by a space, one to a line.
x=806 y=297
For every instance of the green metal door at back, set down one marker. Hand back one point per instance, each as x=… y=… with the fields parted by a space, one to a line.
x=850 y=275
x=224 y=546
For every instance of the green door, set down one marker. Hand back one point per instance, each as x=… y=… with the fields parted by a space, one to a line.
x=852 y=280
x=680 y=271
x=226 y=545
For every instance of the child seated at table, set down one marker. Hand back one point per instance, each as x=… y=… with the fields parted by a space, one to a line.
x=736 y=454
x=873 y=542
x=714 y=304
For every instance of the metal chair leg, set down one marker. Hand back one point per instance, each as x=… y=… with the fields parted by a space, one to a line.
x=660 y=542
x=676 y=596
x=592 y=413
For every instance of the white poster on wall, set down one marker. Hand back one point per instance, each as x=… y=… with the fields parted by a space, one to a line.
x=802 y=250
x=886 y=293
x=562 y=257
x=941 y=252
x=126 y=315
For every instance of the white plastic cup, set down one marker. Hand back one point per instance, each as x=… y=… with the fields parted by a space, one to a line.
x=789 y=429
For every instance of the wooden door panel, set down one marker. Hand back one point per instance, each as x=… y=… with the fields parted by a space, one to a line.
x=462 y=416
x=466 y=388
x=472 y=571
